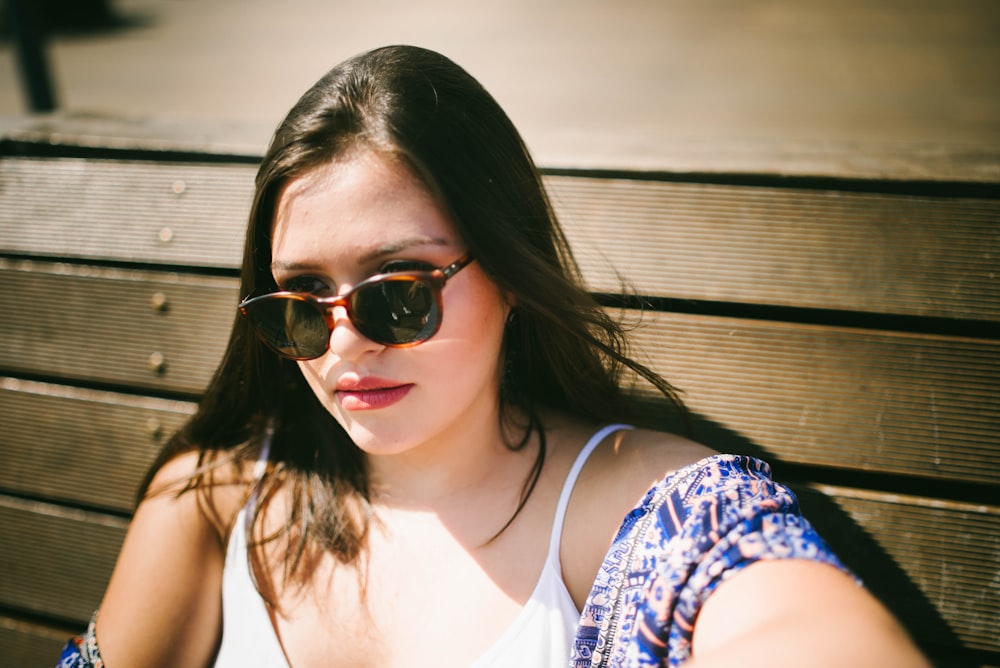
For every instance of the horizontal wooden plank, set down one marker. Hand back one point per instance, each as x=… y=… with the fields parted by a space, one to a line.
x=926 y=256
x=937 y=561
x=55 y=560
x=81 y=446
x=30 y=645
x=162 y=212
x=869 y=252
x=155 y=330
x=934 y=563
x=557 y=148
x=874 y=401
x=68 y=132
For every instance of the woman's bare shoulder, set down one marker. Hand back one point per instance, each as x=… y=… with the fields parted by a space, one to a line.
x=219 y=487
x=165 y=590
x=616 y=477
x=634 y=460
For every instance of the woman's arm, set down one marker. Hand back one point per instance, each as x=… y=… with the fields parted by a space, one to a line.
x=794 y=612
x=716 y=564
x=163 y=605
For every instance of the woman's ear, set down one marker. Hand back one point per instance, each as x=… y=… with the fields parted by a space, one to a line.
x=509 y=302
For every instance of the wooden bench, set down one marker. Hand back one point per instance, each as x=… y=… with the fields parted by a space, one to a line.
x=843 y=327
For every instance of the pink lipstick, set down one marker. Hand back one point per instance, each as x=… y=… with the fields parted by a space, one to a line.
x=369 y=393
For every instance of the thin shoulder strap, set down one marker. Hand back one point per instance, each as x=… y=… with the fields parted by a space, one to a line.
x=567 y=490
x=259 y=469
x=265 y=452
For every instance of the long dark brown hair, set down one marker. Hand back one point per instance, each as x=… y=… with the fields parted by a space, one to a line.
x=562 y=350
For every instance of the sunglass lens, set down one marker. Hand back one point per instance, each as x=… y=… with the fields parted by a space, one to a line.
x=293 y=327
x=396 y=311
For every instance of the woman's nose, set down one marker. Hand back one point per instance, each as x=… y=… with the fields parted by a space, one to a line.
x=346 y=342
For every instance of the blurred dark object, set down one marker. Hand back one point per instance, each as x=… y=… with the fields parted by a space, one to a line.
x=60 y=15
x=29 y=42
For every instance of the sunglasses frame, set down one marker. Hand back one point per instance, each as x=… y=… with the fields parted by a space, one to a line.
x=434 y=278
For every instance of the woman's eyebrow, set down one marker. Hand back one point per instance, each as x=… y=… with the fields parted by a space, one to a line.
x=374 y=254
x=292 y=266
x=401 y=245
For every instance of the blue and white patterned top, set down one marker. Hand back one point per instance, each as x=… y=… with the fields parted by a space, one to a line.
x=693 y=530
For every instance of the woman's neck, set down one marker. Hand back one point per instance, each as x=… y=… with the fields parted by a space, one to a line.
x=453 y=469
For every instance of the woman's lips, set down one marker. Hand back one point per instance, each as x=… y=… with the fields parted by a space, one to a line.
x=361 y=394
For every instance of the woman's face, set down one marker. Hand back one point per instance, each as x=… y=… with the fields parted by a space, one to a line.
x=367 y=213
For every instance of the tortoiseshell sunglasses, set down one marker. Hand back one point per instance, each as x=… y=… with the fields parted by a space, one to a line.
x=396 y=309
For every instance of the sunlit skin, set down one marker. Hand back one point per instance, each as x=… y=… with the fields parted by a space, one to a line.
x=438 y=591
x=355 y=217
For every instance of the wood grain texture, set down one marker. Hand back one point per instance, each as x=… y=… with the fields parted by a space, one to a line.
x=934 y=563
x=31 y=645
x=139 y=211
x=80 y=446
x=114 y=326
x=599 y=149
x=908 y=404
x=54 y=560
x=869 y=252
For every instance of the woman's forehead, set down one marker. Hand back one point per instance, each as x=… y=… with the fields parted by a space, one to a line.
x=367 y=202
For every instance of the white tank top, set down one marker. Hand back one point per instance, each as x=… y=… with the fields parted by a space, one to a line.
x=541 y=635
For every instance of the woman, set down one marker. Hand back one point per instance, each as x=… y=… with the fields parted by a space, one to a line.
x=411 y=453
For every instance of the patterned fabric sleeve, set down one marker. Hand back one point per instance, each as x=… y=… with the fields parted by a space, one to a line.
x=691 y=532
x=81 y=651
